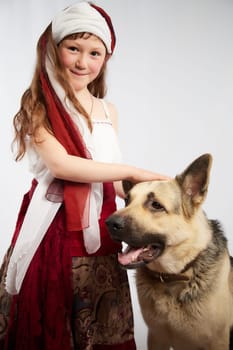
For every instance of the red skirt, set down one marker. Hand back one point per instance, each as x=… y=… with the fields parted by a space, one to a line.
x=46 y=313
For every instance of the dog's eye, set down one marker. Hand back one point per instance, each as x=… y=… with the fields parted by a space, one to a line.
x=153 y=204
x=156 y=206
x=126 y=200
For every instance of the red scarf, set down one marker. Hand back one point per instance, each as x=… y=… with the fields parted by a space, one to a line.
x=76 y=195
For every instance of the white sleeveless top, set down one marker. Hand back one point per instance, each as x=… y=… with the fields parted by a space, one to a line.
x=102 y=143
x=106 y=147
x=103 y=146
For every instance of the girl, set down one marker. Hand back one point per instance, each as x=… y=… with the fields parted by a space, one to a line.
x=61 y=284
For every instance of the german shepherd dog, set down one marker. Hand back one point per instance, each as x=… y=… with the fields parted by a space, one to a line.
x=183 y=268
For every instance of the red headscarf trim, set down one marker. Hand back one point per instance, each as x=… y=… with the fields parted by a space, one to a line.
x=76 y=195
x=109 y=23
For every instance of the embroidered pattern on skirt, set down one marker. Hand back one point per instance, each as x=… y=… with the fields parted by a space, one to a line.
x=102 y=312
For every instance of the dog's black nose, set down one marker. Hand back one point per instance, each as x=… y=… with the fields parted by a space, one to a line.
x=115 y=223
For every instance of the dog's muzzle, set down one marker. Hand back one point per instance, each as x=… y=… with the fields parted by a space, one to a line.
x=142 y=247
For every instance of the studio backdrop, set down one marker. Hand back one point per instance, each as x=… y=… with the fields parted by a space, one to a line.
x=171 y=79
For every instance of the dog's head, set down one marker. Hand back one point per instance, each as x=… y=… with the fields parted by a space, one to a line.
x=162 y=222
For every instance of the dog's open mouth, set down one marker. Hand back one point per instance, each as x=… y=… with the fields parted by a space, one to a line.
x=132 y=258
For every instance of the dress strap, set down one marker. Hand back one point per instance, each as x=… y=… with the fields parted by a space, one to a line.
x=105 y=107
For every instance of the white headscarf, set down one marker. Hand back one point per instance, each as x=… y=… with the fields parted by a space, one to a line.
x=78 y=18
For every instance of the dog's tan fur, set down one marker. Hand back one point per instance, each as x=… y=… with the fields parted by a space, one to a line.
x=185 y=293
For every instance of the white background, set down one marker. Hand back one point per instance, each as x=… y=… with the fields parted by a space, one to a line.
x=171 y=78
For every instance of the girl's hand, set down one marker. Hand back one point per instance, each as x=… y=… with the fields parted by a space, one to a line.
x=141 y=175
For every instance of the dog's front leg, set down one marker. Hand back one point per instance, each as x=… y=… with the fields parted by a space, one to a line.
x=151 y=340
x=220 y=344
x=156 y=341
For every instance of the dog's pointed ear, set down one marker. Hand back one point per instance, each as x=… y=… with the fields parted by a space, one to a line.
x=194 y=182
x=127 y=185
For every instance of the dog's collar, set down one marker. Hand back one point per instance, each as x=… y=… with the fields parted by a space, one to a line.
x=168 y=277
x=173 y=277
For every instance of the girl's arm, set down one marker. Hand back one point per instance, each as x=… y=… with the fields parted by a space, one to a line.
x=73 y=168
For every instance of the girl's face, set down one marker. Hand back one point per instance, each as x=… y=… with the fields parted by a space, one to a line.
x=82 y=59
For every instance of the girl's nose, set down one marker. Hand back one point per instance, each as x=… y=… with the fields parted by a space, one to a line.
x=81 y=61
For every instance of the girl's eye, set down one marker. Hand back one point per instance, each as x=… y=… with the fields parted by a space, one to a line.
x=95 y=53
x=73 y=48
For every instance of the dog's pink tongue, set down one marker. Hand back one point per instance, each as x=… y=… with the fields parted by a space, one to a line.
x=129 y=256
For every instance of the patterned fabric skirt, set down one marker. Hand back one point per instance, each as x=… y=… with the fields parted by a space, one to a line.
x=102 y=311
x=66 y=302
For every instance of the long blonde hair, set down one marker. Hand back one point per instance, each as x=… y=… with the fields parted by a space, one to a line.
x=32 y=113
